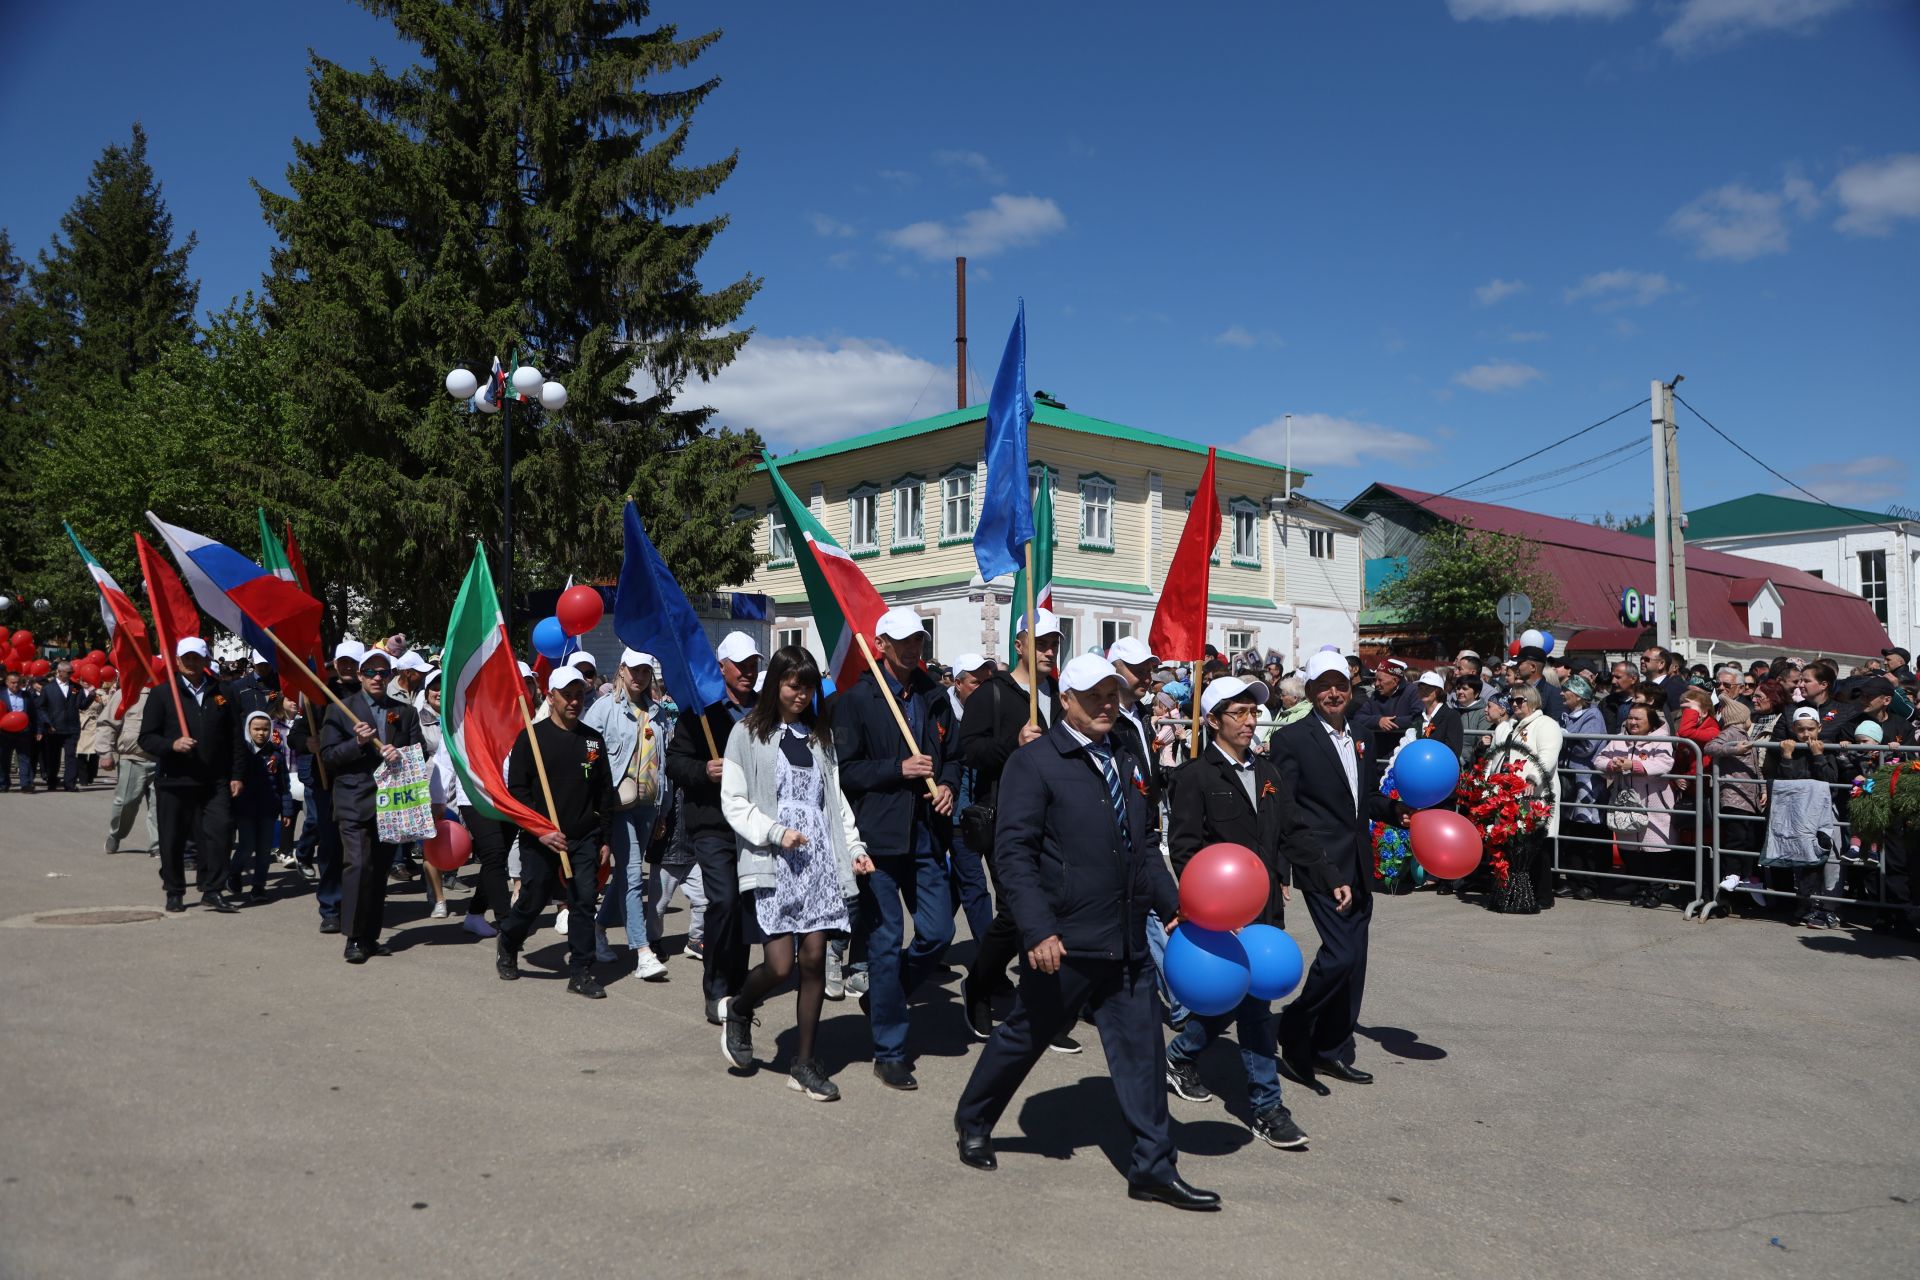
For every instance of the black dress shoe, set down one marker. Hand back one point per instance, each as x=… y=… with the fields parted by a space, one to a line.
x=585 y=984
x=1176 y=1193
x=329 y=924
x=507 y=966
x=895 y=1075
x=1300 y=1071
x=176 y=902
x=378 y=949
x=215 y=902
x=978 y=1008
x=1341 y=1071
x=976 y=1151
x=355 y=953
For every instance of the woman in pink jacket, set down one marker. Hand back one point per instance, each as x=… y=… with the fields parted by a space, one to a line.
x=1641 y=769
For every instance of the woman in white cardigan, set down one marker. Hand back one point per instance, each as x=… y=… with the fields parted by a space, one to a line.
x=799 y=852
x=1533 y=739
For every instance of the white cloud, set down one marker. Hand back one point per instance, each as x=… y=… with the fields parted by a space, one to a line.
x=830 y=227
x=1707 y=23
x=1528 y=335
x=1877 y=194
x=900 y=178
x=1622 y=288
x=971 y=164
x=1498 y=375
x=803 y=391
x=1739 y=224
x=1497 y=10
x=1007 y=222
x=1496 y=289
x=1868 y=483
x=1323 y=440
x=1238 y=335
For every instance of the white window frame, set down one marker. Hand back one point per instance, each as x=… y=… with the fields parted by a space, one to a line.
x=779 y=539
x=909 y=500
x=956 y=487
x=1319 y=544
x=1114 y=630
x=1249 y=642
x=795 y=636
x=1873 y=587
x=1067 y=628
x=1246 y=552
x=1098 y=498
x=865 y=496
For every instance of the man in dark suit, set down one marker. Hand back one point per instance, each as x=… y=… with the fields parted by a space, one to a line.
x=352 y=748
x=61 y=701
x=24 y=744
x=1231 y=794
x=994 y=727
x=1382 y=720
x=197 y=769
x=1079 y=875
x=1323 y=762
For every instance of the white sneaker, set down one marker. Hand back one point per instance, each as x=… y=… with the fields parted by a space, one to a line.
x=648 y=965
x=439 y=911
x=1731 y=883
x=602 y=949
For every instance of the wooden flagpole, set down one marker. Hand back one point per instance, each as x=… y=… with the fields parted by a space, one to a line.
x=1033 y=666
x=295 y=658
x=546 y=788
x=893 y=705
x=1193 y=739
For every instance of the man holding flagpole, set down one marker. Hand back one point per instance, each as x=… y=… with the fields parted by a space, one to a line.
x=193 y=736
x=355 y=740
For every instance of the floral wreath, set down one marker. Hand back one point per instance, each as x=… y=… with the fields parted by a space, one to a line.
x=1500 y=802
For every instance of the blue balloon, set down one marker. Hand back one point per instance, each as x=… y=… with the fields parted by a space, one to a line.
x=550 y=638
x=1546 y=642
x=1207 y=970
x=1273 y=959
x=1426 y=773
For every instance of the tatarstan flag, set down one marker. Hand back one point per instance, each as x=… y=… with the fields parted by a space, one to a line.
x=481 y=711
x=278 y=560
x=126 y=632
x=843 y=602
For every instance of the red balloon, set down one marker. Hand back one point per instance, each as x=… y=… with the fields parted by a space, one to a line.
x=1513 y=650
x=1224 y=887
x=6 y=635
x=1446 y=843
x=88 y=673
x=579 y=610
x=41 y=667
x=95 y=656
x=449 y=848
x=108 y=673
x=13 y=722
x=23 y=641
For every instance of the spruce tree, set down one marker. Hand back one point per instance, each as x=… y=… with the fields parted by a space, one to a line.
x=520 y=189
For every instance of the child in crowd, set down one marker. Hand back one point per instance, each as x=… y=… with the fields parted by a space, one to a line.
x=257 y=809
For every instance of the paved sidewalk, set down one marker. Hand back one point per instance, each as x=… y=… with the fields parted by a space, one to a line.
x=1596 y=1091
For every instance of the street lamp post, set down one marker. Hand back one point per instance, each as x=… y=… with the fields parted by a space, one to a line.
x=492 y=397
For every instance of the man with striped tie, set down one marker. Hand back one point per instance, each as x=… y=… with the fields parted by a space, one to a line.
x=1079 y=874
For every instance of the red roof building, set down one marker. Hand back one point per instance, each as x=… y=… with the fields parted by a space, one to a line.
x=1738 y=607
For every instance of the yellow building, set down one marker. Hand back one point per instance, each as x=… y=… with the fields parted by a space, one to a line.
x=903 y=501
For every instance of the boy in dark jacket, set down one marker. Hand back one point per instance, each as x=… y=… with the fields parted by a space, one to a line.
x=257 y=810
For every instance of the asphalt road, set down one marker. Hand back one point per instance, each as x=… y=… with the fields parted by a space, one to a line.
x=1596 y=1091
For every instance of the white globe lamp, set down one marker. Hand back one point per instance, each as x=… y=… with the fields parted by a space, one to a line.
x=553 y=396
x=461 y=384
x=527 y=380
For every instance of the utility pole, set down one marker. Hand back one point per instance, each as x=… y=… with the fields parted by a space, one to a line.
x=1662 y=530
x=960 y=333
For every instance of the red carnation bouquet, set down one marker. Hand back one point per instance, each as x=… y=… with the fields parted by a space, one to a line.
x=1500 y=803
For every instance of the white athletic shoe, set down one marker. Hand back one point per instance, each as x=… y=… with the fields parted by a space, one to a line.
x=439 y=911
x=648 y=965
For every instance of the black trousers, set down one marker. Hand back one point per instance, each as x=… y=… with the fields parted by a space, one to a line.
x=363 y=880
x=541 y=881
x=998 y=947
x=199 y=814
x=1126 y=1007
x=58 y=760
x=1320 y=1021
x=491 y=841
x=724 y=934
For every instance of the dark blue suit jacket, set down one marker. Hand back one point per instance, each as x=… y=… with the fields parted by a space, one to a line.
x=60 y=712
x=1310 y=768
x=1063 y=868
x=868 y=743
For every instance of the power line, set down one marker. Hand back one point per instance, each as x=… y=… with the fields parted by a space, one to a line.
x=1645 y=448
x=1855 y=515
x=1547 y=449
x=1559 y=471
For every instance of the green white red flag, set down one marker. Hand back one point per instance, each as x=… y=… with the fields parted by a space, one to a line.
x=126 y=632
x=843 y=602
x=481 y=710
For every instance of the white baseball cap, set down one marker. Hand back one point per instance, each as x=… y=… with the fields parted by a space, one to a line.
x=1466 y=654
x=635 y=658
x=373 y=655
x=411 y=661
x=1805 y=713
x=191 y=644
x=1049 y=624
x=1085 y=671
x=1326 y=663
x=564 y=675
x=1227 y=688
x=1130 y=649
x=1433 y=678
x=579 y=656
x=525 y=671
x=736 y=647
x=351 y=649
x=970 y=662
x=900 y=623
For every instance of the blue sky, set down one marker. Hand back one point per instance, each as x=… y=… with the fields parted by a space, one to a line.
x=1441 y=233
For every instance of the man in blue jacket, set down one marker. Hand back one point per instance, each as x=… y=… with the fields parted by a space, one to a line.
x=1079 y=874
x=61 y=701
x=24 y=744
x=903 y=802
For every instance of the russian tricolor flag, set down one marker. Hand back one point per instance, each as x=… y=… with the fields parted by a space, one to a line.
x=247 y=600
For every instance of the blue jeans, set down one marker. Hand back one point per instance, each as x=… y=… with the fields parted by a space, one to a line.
x=1259 y=1046
x=920 y=883
x=1157 y=947
x=626 y=897
x=253 y=848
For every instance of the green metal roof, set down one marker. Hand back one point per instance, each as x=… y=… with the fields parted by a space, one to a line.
x=1043 y=413
x=1764 y=513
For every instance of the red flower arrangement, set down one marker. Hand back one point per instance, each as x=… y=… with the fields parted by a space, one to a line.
x=1500 y=804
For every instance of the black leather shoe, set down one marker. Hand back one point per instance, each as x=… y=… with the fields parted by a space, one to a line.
x=976 y=1151
x=585 y=984
x=1341 y=1071
x=329 y=924
x=978 y=1009
x=355 y=953
x=215 y=902
x=379 y=949
x=176 y=902
x=1300 y=1071
x=895 y=1075
x=506 y=965
x=1176 y=1193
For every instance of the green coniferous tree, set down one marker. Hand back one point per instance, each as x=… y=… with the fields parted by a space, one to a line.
x=520 y=189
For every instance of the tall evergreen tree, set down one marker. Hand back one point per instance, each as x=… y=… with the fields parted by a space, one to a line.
x=522 y=190
x=15 y=434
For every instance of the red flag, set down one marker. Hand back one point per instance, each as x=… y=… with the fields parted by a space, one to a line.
x=298 y=561
x=174 y=617
x=1179 y=628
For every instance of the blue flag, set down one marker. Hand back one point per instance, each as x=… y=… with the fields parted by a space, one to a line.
x=651 y=614
x=1006 y=512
